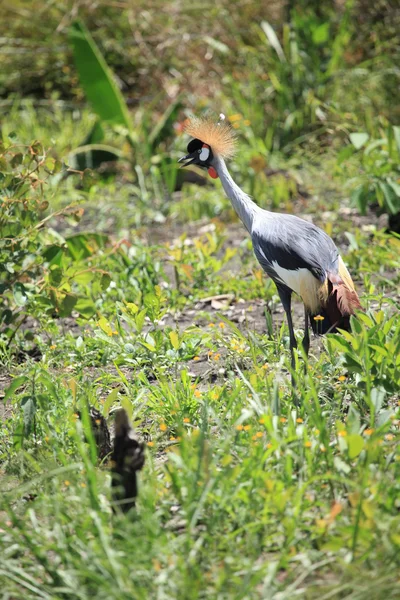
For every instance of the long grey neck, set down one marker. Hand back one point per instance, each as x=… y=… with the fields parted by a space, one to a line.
x=241 y=202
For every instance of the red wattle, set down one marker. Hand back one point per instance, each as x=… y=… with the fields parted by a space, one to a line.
x=212 y=173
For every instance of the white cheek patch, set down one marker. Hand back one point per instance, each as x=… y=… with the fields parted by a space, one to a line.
x=204 y=154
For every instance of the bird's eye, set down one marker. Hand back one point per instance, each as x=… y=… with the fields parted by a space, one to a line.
x=204 y=153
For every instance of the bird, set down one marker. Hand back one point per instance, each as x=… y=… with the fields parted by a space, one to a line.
x=127 y=459
x=299 y=257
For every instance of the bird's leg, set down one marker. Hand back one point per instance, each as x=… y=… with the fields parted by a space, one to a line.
x=292 y=338
x=286 y=298
x=306 y=339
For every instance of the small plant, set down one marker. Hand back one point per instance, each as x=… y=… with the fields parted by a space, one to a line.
x=41 y=273
x=372 y=353
x=378 y=181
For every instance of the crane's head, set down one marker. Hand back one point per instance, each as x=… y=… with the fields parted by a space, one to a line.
x=210 y=139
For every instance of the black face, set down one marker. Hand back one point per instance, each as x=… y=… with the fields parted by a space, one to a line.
x=199 y=154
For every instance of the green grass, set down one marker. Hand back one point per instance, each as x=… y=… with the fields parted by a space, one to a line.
x=249 y=490
x=118 y=290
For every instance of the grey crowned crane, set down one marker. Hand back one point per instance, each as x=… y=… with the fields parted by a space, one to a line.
x=296 y=254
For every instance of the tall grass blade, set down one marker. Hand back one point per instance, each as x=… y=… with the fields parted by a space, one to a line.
x=273 y=40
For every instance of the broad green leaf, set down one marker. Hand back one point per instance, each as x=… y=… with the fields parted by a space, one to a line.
x=14 y=385
x=127 y=405
x=85 y=307
x=365 y=319
x=109 y=401
x=67 y=305
x=84 y=277
x=358 y=139
x=140 y=318
x=18 y=436
x=17 y=160
x=151 y=301
x=28 y=405
x=55 y=275
x=339 y=342
x=355 y=444
x=395 y=186
x=173 y=336
x=105 y=326
x=53 y=255
x=380 y=349
x=97 y=79
x=105 y=281
x=359 y=198
x=83 y=245
x=148 y=346
x=19 y=294
x=377 y=398
x=391 y=199
x=320 y=34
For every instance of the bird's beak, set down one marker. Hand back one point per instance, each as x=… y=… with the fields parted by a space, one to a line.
x=189 y=158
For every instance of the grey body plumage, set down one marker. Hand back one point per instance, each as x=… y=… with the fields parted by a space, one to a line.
x=294 y=244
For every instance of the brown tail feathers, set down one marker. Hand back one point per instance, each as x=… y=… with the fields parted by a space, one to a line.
x=336 y=310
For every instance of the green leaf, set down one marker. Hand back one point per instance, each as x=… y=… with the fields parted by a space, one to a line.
x=358 y=139
x=14 y=385
x=395 y=187
x=391 y=199
x=151 y=301
x=339 y=342
x=355 y=444
x=18 y=436
x=148 y=346
x=127 y=405
x=83 y=245
x=95 y=136
x=85 y=307
x=140 y=318
x=105 y=326
x=109 y=401
x=105 y=281
x=55 y=276
x=173 y=336
x=16 y=160
x=359 y=198
x=97 y=79
x=67 y=305
x=28 y=404
x=344 y=154
x=320 y=34
x=19 y=294
x=396 y=132
x=53 y=254
x=377 y=398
